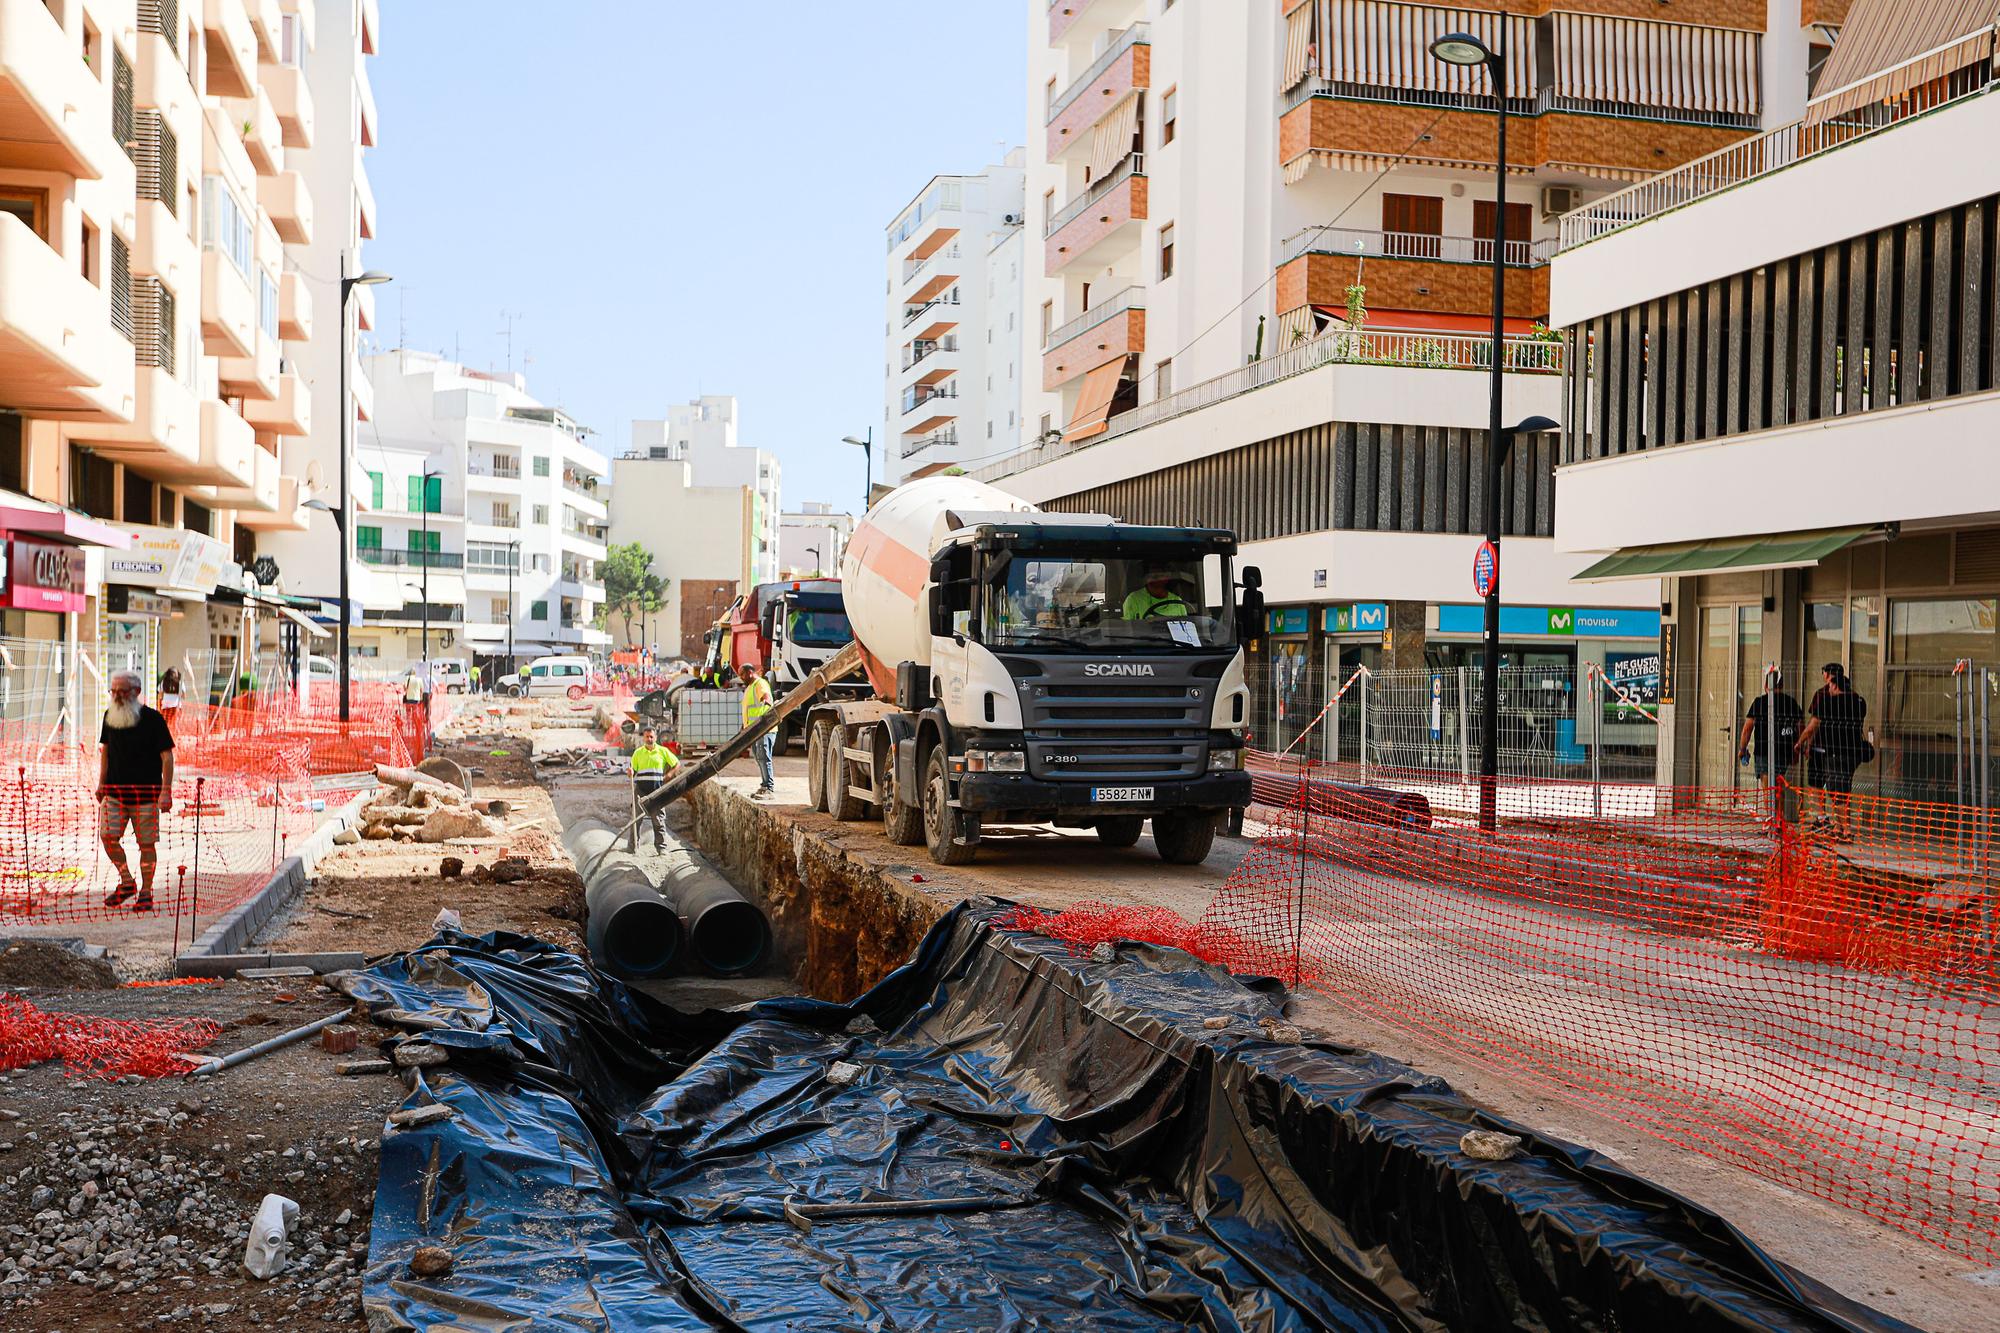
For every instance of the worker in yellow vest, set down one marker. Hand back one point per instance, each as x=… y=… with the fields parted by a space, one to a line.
x=651 y=762
x=756 y=703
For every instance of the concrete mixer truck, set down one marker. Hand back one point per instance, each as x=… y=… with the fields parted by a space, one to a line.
x=1030 y=668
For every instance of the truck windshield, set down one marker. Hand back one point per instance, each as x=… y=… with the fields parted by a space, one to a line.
x=1089 y=602
x=819 y=629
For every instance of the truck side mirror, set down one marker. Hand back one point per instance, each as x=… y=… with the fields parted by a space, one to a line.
x=1253 y=577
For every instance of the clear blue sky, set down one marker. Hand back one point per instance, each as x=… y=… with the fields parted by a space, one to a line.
x=676 y=197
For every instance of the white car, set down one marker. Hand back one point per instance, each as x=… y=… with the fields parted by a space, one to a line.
x=565 y=675
x=452 y=675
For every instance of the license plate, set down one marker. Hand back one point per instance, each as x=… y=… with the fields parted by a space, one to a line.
x=1121 y=793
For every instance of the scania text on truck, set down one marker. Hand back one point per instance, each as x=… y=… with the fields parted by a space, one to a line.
x=1030 y=668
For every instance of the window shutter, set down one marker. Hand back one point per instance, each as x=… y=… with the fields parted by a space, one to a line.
x=123 y=127
x=121 y=287
x=375 y=488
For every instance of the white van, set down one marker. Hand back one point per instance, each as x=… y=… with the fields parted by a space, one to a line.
x=450 y=675
x=567 y=675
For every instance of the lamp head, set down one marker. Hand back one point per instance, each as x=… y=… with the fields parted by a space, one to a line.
x=849 y=439
x=1536 y=425
x=320 y=505
x=1461 y=48
x=371 y=278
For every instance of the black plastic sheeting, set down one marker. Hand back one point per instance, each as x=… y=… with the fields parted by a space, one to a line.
x=1000 y=1135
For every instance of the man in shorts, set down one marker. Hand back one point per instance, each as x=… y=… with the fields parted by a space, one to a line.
x=135 y=786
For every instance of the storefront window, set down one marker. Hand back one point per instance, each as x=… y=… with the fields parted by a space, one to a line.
x=1826 y=632
x=1941 y=631
x=1922 y=723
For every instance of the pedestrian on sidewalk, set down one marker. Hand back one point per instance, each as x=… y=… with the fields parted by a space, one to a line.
x=170 y=695
x=1770 y=731
x=651 y=762
x=756 y=703
x=135 y=786
x=1835 y=745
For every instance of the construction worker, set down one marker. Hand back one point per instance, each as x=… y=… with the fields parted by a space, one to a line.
x=756 y=703
x=475 y=678
x=651 y=762
x=1157 y=600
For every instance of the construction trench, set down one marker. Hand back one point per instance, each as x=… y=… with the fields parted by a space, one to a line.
x=911 y=1114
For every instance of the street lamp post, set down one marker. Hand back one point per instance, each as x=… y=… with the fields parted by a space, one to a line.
x=867 y=447
x=424 y=559
x=513 y=559
x=347 y=286
x=1460 y=48
x=813 y=551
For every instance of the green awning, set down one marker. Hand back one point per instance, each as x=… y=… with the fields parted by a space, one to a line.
x=1789 y=550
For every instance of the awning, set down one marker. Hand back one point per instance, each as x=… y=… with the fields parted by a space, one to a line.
x=1298 y=46
x=311 y=627
x=1093 y=403
x=1790 y=550
x=1111 y=141
x=1644 y=62
x=1888 y=49
x=1388 y=45
x=62 y=524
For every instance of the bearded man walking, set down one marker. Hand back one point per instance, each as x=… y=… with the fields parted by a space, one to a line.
x=135 y=786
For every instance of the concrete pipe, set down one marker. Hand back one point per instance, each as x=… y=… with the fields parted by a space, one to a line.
x=727 y=935
x=631 y=930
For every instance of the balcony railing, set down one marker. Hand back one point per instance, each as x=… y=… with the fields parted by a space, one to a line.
x=912 y=313
x=383 y=555
x=1134 y=165
x=1775 y=150
x=1413 y=245
x=917 y=395
x=1127 y=39
x=921 y=443
x=922 y=348
x=506 y=468
x=1130 y=298
x=502 y=521
x=1429 y=351
x=914 y=269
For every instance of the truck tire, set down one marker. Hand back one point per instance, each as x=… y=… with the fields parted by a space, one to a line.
x=943 y=825
x=1122 y=831
x=817 y=735
x=1184 y=837
x=902 y=822
x=841 y=803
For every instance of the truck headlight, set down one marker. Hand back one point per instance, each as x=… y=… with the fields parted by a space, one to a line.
x=996 y=761
x=1224 y=761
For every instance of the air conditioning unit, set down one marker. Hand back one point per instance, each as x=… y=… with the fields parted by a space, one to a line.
x=1011 y=219
x=1558 y=200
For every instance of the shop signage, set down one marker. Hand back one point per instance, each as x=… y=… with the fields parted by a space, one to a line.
x=1666 y=664
x=123 y=601
x=1630 y=678
x=44 y=577
x=1288 y=620
x=1360 y=618
x=1561 y=622
x=167 y=558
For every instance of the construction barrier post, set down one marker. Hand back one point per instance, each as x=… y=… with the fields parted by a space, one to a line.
x=1299 y=912
x=180 y=896
x=1771 y=748
x=1464 y=739
x=1596 y=742
x=276 y=806
x=194 y=907
x=1363 y=684
x=27 y=867
x=1986 y=800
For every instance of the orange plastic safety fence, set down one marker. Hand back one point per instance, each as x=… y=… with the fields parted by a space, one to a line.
x=1798 y=982
x=93 y=1047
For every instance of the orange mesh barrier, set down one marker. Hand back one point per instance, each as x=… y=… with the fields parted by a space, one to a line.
x=1799 y=983
x=91 y=1047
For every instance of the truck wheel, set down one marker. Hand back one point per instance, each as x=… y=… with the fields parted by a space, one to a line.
x=1122 y=831
x=575 y=691
x=902 y=822
x=943 y=825
x=841 y=803
x=816 y=741
x=1183 y=837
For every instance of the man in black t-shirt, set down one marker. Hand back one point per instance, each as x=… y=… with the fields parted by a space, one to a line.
x=135 y=785
x=1755 y=742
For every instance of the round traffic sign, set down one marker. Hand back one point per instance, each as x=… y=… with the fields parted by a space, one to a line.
x=1486 y=570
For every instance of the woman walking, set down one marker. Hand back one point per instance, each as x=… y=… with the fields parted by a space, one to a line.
x=170 y=694
x=1834 y=744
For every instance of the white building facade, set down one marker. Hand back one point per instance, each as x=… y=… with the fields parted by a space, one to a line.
x=952 y=370
x=812 y=539
x=703 y=433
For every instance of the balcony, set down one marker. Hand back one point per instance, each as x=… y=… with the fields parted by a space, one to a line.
x=288 y=413
x=942 y=439
x=364 y=200
x=1113 y=327
x=164 y=249
x=289 y=514
x=915 y=265
x=264 y=139
x=383 y=556
x=364 y=315
x=1413 y=271
x=231 y=45
x=59 y=351
x=228 y=308
x=1065 y=15
x=365 y=95
x=260 y=496
x=54 y=114
x=254 y=378
x=292 y=99
x=371 y=27
x=495 y=467
x=1125 y=67
x=267 y=21
x=228 y=447
x=943 y=312
x=922 y=349
x=294 y=307
x=1104 y=213
x=918 y=395
x=162 y=441
x=289 y=205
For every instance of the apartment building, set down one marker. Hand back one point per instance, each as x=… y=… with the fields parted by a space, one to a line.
x=1265 y=303
x=812 y=540
x=153 y=328
x=952 y=376
x=1789 y=401
x=495 y=497
x=705 y=506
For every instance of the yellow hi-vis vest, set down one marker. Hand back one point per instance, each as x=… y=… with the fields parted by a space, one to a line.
x=652 y=761
x=756 y=700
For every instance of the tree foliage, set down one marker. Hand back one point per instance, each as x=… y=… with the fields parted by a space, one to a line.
x=631 y=589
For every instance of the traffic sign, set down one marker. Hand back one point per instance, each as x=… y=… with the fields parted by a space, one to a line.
x=1486 y=570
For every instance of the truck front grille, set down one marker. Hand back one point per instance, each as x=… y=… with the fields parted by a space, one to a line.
x=1095 y=731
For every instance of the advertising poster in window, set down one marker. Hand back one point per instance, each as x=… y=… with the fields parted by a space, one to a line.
x=1631 y=681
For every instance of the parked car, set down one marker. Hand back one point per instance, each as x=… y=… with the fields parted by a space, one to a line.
x=452 y=675
x=567 y=675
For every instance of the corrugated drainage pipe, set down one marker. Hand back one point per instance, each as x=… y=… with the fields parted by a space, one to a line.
x=631 y=929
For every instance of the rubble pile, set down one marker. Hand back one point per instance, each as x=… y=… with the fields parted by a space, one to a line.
x=414 y=807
